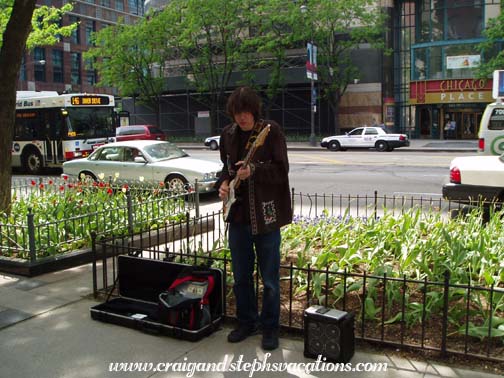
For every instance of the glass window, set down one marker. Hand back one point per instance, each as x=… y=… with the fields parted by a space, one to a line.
x=356 y=132
x=76 y=68
x=57 y=63
x=105 y=3
x=119 y=5
x=461 y=60
x=75 y=36
x=90 y=28
x=435 y=63
x=496 y=120
x=134 y=7
x=90 y=72
x=464 y=20
x=420 y=59
x=39 y=64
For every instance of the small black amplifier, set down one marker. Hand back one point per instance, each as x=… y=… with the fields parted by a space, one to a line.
x=329 y=333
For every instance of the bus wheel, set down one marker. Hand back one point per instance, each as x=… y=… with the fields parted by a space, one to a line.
x=32 y=161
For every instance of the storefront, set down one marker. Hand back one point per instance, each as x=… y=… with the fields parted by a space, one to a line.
x=451 y=108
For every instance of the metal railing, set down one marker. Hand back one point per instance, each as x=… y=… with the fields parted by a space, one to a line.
x=417 y=322
x=119 y=209
x=374 y=205
x=442 y=316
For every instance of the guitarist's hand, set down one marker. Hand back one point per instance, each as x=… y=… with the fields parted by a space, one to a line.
x=243 y=173
x=224 y=190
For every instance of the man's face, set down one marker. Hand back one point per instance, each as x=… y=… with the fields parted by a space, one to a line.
x=245 y=120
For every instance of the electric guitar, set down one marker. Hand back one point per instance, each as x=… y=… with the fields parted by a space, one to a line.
x=235 y=183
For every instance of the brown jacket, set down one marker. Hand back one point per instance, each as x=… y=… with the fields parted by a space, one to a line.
x=269 y=191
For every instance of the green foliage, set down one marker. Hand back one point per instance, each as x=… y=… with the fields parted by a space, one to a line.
x=65 y=214
x=45 y=24
x=494 y=34
x=415 y=245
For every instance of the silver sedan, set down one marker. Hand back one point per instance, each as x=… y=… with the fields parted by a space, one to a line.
x=146 y=160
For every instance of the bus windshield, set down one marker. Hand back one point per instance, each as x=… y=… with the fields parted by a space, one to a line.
x=90 y=122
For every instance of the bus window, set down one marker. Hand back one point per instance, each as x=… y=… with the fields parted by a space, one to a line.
x=90 y=123
x=27 y=125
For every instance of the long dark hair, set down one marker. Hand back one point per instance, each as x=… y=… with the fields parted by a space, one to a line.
x=244 y=99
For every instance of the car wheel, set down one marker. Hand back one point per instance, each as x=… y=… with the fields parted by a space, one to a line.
x=87 y=177
x=176 y=183
x=334 y=145
x=32 y=161
x=381 y=146
x=213 y=145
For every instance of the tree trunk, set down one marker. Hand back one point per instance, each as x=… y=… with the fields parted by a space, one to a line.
x=334 y=100
x=11 y=52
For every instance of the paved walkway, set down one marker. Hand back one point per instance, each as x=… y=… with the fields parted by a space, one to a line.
x=46 y=332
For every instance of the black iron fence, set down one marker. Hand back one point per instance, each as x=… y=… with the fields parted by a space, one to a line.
x=401 y=311
x=374 y=205
x=65 y=213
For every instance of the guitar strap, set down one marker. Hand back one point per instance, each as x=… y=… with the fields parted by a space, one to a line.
x=253 y=136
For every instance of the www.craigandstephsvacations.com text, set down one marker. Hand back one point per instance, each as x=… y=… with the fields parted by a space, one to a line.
x=229 y=364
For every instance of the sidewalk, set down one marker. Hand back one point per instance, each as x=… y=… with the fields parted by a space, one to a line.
x=416 y=145
x=46 y=332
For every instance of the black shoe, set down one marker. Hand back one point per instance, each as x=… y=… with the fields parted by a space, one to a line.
x=270 y=339
x=241 y=333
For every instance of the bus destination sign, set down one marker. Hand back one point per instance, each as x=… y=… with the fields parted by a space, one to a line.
x=89 y=100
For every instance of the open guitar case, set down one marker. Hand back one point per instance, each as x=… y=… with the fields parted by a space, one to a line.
x=140 y=282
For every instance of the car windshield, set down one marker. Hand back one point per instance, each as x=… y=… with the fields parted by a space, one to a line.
x=164 y=151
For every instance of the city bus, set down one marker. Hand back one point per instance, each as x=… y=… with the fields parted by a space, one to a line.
x=52 y=128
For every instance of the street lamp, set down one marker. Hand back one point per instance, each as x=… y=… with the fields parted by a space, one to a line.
x=311 y=72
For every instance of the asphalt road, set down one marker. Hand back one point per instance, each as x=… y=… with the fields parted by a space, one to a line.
x=363 y=172
x=356 y=172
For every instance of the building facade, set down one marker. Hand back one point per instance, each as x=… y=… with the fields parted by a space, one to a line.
x=428 y=87
x=436 y=91
x=61 y=67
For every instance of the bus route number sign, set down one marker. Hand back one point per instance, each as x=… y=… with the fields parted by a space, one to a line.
x=89 y=100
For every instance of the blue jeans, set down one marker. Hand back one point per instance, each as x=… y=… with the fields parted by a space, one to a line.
x=267 y=250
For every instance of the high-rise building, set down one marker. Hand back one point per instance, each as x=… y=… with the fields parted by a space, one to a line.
x=61 y=67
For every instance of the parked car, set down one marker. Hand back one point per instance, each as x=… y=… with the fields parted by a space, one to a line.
x=155 y=161
x=213 y=142
x=139 y=132
x=366 y=137
x=476 y=178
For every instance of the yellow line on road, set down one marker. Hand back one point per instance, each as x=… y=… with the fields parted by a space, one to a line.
x=313 y=159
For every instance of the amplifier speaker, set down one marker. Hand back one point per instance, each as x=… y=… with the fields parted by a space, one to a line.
x=329 y=333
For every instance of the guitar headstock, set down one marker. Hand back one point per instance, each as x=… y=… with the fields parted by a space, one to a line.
x=262 y=136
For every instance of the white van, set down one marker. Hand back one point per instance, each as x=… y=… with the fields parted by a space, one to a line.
x=491 y=131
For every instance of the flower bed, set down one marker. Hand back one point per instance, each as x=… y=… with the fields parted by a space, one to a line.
x=57 y=218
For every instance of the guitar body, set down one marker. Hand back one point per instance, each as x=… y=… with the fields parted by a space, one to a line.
x=231 y=198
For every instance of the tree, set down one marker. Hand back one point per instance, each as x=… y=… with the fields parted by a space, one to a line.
x=279 y=28
x=492 y=46
x=208 y=35
x=17 y=19
x=338 y=28
x=133 y=59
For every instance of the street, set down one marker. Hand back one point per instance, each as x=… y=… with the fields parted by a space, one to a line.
x=363 y=172
x=355 y=172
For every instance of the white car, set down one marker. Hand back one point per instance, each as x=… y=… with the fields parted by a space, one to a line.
x=476 y=178
x=154 y=161
x=213 y=142
x=366 y=137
